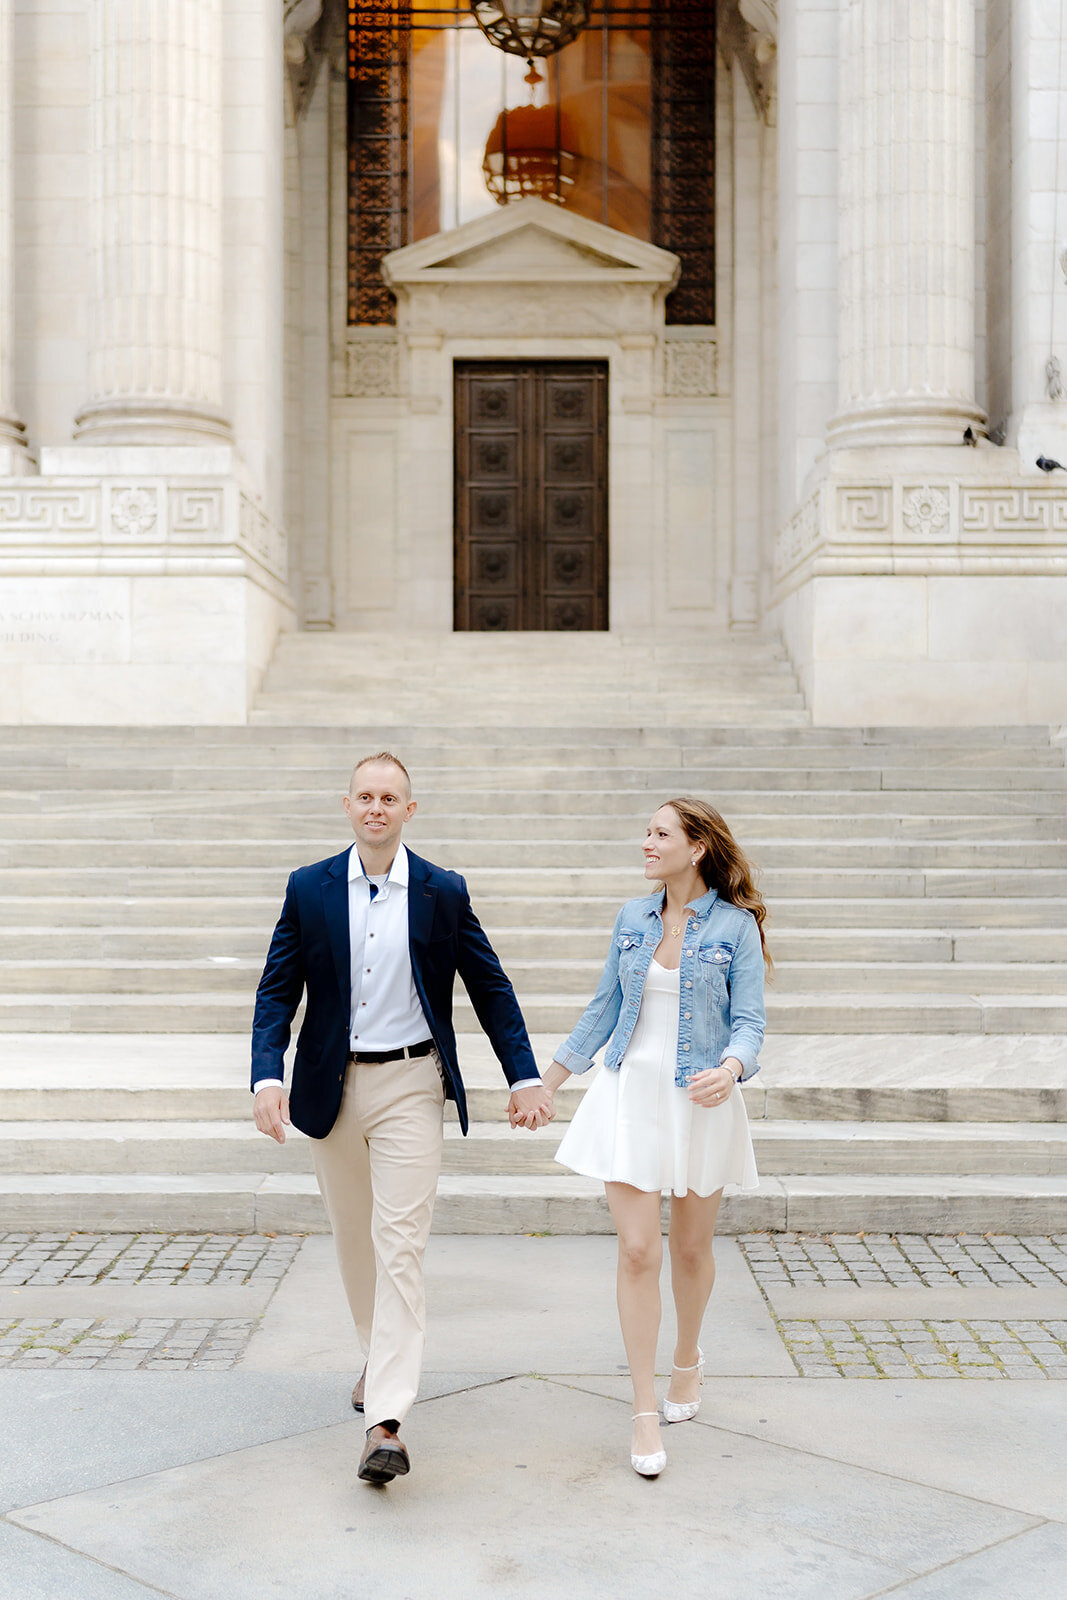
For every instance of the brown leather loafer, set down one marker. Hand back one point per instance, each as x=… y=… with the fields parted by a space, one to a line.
x=384 y=1457
x=357 y=1392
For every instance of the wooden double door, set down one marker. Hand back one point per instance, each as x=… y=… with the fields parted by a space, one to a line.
x=531 y=500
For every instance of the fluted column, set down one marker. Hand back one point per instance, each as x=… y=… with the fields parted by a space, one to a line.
x=12 y=431
x=156 y=331
x=906 y=280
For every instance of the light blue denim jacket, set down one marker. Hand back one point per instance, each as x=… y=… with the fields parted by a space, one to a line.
x=720 y=984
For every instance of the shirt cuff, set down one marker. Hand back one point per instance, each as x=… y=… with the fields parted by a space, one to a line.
x=526 y=1083
x=268 y=1083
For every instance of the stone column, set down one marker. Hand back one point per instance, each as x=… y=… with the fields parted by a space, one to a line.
x=906 y=242
x=12 y=432
x=156 y=185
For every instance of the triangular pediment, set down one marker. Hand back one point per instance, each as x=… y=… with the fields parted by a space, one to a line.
x=530 y=241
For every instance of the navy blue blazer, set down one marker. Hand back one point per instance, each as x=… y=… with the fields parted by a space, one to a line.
x=310 y=950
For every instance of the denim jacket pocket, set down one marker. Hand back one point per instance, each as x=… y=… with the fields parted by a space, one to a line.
x=715 y=962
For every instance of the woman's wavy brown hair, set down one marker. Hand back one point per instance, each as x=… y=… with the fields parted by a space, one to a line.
x=724 y=865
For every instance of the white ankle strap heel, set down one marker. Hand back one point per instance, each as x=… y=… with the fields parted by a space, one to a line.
x=685 y=1411
x=648 y=1466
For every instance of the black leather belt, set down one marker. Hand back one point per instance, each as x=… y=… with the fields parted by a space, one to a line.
x=403 y=1054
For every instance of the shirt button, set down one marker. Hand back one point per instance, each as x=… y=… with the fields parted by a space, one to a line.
x=366 y=969
x=363 y=1002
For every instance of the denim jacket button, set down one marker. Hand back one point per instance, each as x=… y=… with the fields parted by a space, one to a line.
x=689 y=952
x=689 y=1016
x=688 y=983
x=685 y=1047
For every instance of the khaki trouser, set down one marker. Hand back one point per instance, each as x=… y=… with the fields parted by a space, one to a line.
x=377 y=1171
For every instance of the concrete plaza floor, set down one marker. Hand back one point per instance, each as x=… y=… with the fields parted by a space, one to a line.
x=236 y=1477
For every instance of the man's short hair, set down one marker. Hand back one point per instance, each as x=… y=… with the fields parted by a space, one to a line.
x=384 y=756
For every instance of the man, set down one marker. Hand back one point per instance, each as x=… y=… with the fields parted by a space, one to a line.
x=376 y=937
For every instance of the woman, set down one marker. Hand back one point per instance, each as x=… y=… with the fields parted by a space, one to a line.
x=680 y=1007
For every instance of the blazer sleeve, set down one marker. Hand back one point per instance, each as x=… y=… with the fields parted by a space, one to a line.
x=279 y=993
x=492 y=995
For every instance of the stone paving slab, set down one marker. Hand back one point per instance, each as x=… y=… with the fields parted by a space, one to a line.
x=32 y=1568
x=575 y=1520
x=968 y=1347
x=558 y=1314
x=156 y=1258
x=906 y=1259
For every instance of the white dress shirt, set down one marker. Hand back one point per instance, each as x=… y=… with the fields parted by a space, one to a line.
x=386 y=1012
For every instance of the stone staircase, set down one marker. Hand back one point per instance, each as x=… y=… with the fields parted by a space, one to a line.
x=915 y=1074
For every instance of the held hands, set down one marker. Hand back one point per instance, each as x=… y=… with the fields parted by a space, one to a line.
x=271 y=1112
x=715 y=1086
x=531 y=1107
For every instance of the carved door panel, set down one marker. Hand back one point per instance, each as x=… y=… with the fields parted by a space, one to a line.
x=531 y=495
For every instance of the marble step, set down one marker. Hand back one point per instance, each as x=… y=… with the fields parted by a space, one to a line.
x=525 y=771
x=537 y=914
x=532 y=839
x=314 y=829
x=924 y=1078
x=835 y=885
x=206 y=1011
x=290 y=1203
x=494 y=1149
x=544 y=945
x=802 y=979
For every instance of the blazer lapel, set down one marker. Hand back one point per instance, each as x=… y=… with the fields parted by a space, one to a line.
x=422 y=897
x=335 y=909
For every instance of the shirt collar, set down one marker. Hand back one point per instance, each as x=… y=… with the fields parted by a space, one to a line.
x=398 y=872
x=701 y=906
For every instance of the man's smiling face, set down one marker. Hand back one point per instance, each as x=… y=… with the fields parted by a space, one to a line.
x=378 y=804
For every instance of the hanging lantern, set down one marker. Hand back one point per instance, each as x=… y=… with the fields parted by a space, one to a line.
x=531 y=151
x=530 y=28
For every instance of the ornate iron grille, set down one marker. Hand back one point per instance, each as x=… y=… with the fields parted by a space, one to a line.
x=377 y=151
x=683 y=151
x=683 y=45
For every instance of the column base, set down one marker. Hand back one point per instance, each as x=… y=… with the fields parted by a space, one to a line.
x=141 y=420
x=921 y=420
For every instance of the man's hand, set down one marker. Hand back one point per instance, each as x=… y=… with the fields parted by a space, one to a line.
x=271 y=1111
x=530 y=1107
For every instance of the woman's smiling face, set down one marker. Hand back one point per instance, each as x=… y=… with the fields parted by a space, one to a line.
x=668 y=851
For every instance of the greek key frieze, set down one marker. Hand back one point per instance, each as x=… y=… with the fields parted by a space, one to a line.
x=58 y=511
x=259 y=535
x=800 y=536
x=864 y=510
x=196 y=514
x=1018 y=513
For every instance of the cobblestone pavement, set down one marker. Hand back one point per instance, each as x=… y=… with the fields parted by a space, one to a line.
x=976 y=1349
x=905 y=1260
x=159 y=1343
x=162 y=1258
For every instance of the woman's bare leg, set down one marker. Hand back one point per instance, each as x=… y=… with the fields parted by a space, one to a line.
x=636 y=1214
x=693 y=1219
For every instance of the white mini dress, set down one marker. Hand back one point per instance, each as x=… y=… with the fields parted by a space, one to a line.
x=637 y=1126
